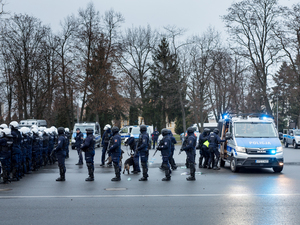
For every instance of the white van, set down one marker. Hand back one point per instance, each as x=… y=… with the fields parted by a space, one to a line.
x=252 y=141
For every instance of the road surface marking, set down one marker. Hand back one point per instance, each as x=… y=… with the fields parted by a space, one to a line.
x=154 y=196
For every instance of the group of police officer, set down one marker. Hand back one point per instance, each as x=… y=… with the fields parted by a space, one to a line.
x=23 y=150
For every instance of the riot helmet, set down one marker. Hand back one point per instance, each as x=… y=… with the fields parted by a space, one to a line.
x=107 y=127
x=89 y=130
x=14 y=125
x=6 y=131
x=216 y=131
x=115 y=130
x=206 y=131
x=190 y=130
x=143 y=128
x=164 y=132
x=2 y=126
x=61 y=130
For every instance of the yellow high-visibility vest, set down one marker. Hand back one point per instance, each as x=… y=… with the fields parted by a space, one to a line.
x=206 y=143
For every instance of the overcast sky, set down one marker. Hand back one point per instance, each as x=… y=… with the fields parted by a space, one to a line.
x=194 y=15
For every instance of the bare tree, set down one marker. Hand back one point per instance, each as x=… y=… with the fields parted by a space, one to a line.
x=87 y=36
x=288 y=35
x=134 y=55
x=202 y=62
x=251 y=24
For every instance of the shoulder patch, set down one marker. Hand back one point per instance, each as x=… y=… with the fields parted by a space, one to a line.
x=116 y=140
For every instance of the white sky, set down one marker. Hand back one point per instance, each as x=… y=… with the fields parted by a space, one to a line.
x=194 y=15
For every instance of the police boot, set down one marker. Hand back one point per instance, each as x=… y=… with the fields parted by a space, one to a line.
x=62 y=175
x=216 y=164
x=187 y=164
x=192 y=172
x=167 y=173
x=79 y=163
x=200 y=162
x=91 y=172
x=6 y=178
x=145 y=172
x=173 y=165
x=168 y=176
x=117 y=172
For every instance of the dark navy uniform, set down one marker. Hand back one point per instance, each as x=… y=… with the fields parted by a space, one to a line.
x=67 y=136
x=154 y=135
x=78 y=143
x=142 y=148
x=36 y=151
x=89 y=152
x=105 y=142
x=16 y=154
x=165 y=147
x=214 y=141
x=191 y=152
x=45 y=149
x=202 y=146
x=171 y=158
x=115 y=151
x=50 y=149
x=6 y=143
x=60 y=151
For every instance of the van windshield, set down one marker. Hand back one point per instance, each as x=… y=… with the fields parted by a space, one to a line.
x=254 y=130
x=297 y=133
x=135 y=130
x=83 y=127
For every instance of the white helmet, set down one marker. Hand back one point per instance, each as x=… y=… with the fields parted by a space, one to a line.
x=34 y=126
x=14 y=124
x=42 y=129
x=35 y=130
x=2 y=126
x=6 y=131
x=107 y=126
x=47 y=131
x=67 y=129
x=23 y=130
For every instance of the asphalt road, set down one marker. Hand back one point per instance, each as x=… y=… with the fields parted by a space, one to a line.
x=252 y=196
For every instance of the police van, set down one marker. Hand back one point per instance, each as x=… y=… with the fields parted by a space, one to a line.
x=30 y=122
x=83 y=127
x=252 y=141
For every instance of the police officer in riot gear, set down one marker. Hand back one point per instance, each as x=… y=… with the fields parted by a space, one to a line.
x=67 y=136
x=89 y=152
x=60 y=151
x=78 y=143
x=190 y=150
x=202 y=146
x=115 y=151
x=36 y=149
x=171 y=158
x=214 y=141
x=6 y=142
x=16 y=151
x=105 y=142
x=142 y=148
x=164 y=146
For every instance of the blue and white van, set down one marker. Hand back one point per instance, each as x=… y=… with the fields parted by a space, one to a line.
x=252 y=141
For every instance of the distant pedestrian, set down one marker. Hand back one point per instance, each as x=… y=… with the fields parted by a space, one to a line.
x=154 y=136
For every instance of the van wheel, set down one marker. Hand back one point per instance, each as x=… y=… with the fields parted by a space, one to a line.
x=233 y=166
x=295 y=145
x=278 y=169
x=286 y=144
x=222 y=163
